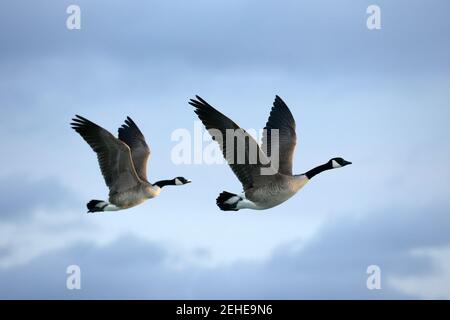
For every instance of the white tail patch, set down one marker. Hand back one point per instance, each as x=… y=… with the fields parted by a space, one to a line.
x=244 y=203
x=111 y=207
x=102 y=204
x=233 y=200
x=247 y=204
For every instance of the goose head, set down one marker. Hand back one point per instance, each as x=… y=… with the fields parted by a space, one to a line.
x=338 y=163
x=178 y=181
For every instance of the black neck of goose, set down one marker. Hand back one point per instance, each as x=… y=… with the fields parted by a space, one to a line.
x=315 y=171
x=163 y=183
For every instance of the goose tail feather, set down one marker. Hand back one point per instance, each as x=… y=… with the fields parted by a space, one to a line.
x=96 y=205
x=228 y=201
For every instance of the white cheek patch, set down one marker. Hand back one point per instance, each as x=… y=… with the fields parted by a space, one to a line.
x=335 y=164
x=178 y=182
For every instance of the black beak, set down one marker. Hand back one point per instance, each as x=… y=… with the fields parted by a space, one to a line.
x=347 y=162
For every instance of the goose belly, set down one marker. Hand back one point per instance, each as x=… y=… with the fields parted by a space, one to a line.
x=272 y=195
x=263 y=200
x=128 y=199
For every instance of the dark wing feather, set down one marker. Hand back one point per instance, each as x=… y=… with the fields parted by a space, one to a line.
x=248 y=169
x=113 y=155
x=281 y=118
x=140 y=152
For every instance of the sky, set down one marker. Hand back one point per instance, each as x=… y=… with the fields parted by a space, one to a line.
x=378 y=98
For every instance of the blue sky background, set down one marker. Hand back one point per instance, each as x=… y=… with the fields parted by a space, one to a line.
x=378 y=98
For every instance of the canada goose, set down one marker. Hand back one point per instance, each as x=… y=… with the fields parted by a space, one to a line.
x=123 y=163
x=261 y=191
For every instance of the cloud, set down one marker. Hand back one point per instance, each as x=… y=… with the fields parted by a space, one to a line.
x=291 y=35
x=145 y=59
x=38 y=215
x=434 y=285
x=331 y=266
x=21 y=197
x=127 y=268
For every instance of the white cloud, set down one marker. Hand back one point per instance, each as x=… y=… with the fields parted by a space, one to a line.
x=378 y=99
x=432 y=285
x=332 y=265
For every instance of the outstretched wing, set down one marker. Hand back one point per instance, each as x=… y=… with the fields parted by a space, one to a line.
x=113 y=155
x=140 y=152
x=282 y=120
x=244 y=154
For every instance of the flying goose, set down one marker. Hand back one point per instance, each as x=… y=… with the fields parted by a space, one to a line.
x=123 y=163
x=261 y=190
